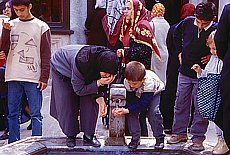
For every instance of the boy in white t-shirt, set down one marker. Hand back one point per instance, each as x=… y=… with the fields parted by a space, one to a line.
x=27 y=66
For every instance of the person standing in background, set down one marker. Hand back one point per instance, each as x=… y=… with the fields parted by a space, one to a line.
x=93 y=23
x=169 y=95
x=160 y=29
x=190 y=40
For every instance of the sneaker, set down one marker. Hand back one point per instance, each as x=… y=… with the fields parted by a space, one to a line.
x=222 y=148
x=196 y=146
x=134 y=143
x=217 y=145
x=91 y=140
x=159 y=143
x=168 y=131
x=174 y=139
x=71 y=141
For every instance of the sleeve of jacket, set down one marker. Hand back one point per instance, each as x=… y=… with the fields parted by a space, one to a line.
x=45 y=52
x=142 y=104
x=5 y=41
x=177 y=37
x=221 y=36
x=79 y=86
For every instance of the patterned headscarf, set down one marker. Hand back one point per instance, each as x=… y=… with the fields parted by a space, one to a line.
x=139 y=30
x=100 y=4
x=158 y=10
x=187 y=10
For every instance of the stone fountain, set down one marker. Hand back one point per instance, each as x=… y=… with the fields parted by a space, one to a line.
x=116 y=124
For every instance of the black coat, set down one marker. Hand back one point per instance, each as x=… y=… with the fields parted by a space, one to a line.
x=222 y=40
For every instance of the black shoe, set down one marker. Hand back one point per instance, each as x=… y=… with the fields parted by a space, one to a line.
x=71 y=141
x=29 y=127
x=4 y=136
x=91 y=140
x=168 y=131
x=159 y=143
x=134 y=143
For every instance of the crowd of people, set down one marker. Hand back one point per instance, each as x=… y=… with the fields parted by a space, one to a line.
x=160 y=66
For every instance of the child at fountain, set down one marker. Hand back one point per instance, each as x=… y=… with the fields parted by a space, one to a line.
x=146 y=86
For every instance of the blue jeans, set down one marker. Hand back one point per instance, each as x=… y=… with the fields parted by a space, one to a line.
x=154 y=118
x=34 y=95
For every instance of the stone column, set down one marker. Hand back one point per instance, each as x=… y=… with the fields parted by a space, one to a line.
x=78 y=14
x=116 y=124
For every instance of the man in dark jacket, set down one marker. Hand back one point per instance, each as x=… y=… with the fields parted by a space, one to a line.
x=222 y=40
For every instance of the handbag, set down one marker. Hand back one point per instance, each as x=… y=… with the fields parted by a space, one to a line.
x=208 y=96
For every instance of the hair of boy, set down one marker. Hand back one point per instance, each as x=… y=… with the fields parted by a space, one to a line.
x=205 y=11
x=135 y=71
x=21 y=2
x=210 y=39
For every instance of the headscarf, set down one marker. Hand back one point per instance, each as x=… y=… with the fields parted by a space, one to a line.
x=140 y=29
x=187 y=10
x=91 y=60
x=100 y=4
x=158 y=10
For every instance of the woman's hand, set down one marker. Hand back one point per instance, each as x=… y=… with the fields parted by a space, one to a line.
x=2 y=55
x=120 y=52
x=102 y=106
x=105 y=80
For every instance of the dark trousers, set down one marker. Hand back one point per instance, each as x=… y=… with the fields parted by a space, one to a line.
x=186 y=90
x=168 y=96
x=225 y=97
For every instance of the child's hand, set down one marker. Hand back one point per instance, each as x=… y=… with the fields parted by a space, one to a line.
x=102 y=106
x=197 y=68
x=7 y=25
x=41 y=85
x=119 y=111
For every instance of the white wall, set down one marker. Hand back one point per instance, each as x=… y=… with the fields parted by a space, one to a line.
x=195 y=2
x=222 y=3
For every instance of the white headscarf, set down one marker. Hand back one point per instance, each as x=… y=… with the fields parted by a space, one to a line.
x=100 y=4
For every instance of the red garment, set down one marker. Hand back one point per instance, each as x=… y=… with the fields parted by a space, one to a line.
x=2 y=62
x=112 y=39
x=140 y=29
x=187 y=10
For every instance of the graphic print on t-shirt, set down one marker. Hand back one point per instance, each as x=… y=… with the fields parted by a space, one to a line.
x=26 y=45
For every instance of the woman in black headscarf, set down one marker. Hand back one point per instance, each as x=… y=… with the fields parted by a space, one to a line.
x=79 y=78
